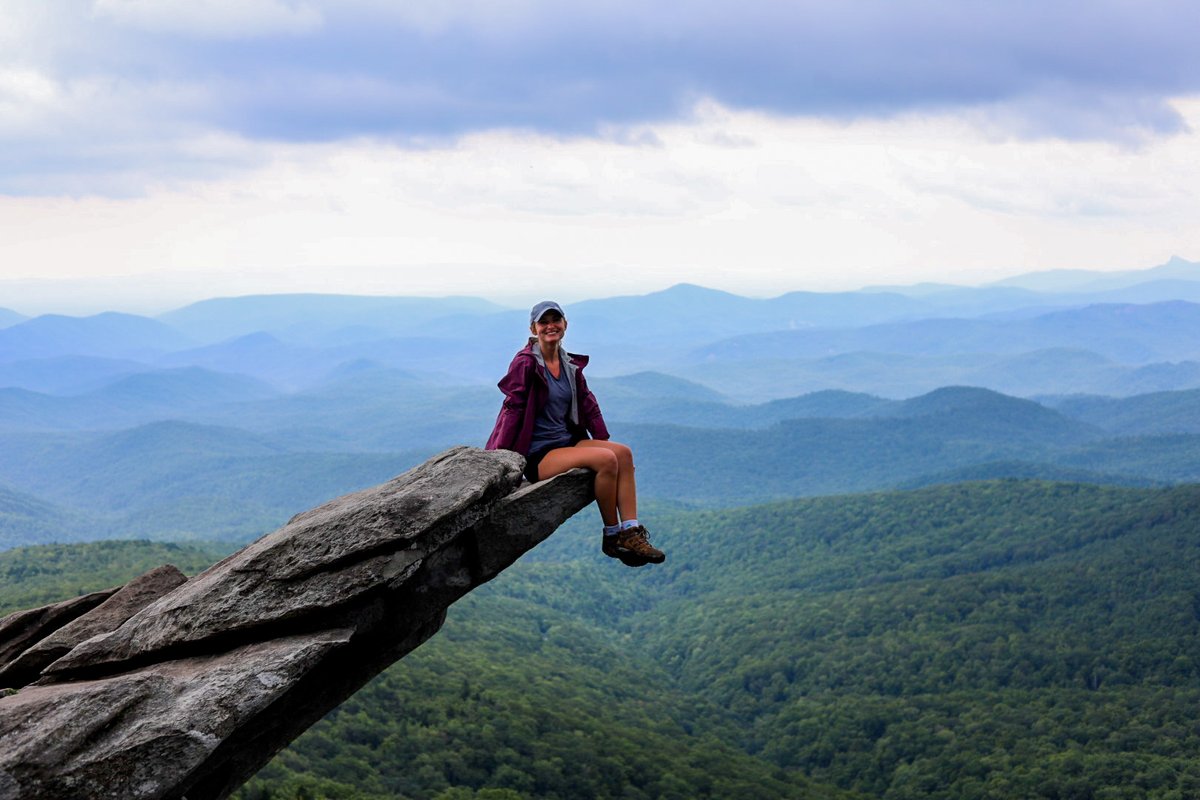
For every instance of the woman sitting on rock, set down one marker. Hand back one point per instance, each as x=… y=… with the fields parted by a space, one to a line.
x=547 y=416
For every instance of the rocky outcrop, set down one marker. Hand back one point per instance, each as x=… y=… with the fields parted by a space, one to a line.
x=108 y=616
x=191 y=695
x=20 y=631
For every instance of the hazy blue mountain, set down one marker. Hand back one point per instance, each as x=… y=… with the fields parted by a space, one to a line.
x=1174 y=457
x=651 y=385
x=981 y=412
x=260 y=355
x=1026 y=373
x=828 y=404
x=1155 y=413
x=1078 y=280
x=23 y=410
x=182 y=389
x=128 y=400
x=1040 y=372
x=703 y=313
x=66 y=374
x=831 y=404
x=797 y=458
x=317 y=317
x=293 y=366
x=1128 y=333
x=367 y=372
x=971 y=301
x=1022 y=470
x=9 y=317
x=445 y=360
x=1156 y=291
x=686 y=313
x=381 y=411
x=1161 y=377
x=26 y=520
x=107 y=335
x=185 y=481
x=947 y=430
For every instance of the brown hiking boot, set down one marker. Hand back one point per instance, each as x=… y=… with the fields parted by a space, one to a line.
x=633 y=548
x=611 y=549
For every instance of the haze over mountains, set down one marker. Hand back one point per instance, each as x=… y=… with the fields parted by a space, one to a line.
x=219 y=419
x=1017 y=619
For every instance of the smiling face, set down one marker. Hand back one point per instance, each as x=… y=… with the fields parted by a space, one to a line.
x=550 y=329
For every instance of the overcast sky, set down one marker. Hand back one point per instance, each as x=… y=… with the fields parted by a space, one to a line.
x=158 y=151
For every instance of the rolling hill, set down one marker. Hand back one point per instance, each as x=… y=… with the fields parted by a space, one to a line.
x=995 y=639
x=1010 y=629
x=1153 y=413
x=1124 y=332
x=107 y=335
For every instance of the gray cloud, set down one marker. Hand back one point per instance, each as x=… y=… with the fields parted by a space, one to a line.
x=1100 y=70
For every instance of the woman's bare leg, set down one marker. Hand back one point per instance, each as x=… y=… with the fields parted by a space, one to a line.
x=626 y=484
x=600 y=460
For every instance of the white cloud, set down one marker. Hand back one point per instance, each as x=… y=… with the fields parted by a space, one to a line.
x=748 y=202
x=25 y=94
x=215 y=18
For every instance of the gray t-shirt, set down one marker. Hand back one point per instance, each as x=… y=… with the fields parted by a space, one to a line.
x=550 y=427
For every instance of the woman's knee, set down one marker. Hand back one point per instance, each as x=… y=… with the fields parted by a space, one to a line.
x=606 y=462
x=624 y=455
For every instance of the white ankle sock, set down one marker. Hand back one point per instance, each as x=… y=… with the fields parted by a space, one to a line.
x=612 y=530
x=629 y=523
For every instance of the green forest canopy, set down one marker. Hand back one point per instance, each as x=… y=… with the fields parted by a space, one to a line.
x=983 y=640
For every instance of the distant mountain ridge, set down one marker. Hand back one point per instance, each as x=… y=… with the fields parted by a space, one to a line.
x=107 y=335
x=9 y=317
x=711 y=337
x=209 y=434
x=306 y=316
x=1076 y=280
x=1133 y=333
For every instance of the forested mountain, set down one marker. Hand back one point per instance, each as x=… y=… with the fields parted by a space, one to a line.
x=985 y=640
x=26 y=519
x=250 y=465
x=35 y=576
x=171 y=480
x=989 y=640
x=1154 y=413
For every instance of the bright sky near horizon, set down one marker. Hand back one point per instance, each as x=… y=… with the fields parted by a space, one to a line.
x=154 y=152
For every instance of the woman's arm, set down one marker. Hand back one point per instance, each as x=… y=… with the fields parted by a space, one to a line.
x=589 y=411
x=515 y=385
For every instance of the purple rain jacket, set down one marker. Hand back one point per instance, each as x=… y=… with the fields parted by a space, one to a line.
x=526 y=392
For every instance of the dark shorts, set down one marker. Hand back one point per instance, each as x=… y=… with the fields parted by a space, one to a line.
x=533 y=460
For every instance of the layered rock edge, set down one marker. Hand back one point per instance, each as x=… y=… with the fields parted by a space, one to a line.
x=184 y=691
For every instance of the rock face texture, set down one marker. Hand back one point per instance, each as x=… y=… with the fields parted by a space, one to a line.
x=192 y=694
x=108 y=616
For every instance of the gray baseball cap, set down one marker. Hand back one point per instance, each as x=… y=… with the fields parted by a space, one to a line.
x=541 y=308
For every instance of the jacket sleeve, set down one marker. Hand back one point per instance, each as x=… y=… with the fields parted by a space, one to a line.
x=589 y=411
x=515 y=385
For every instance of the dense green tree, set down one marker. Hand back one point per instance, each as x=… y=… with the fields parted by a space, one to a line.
x=984 y=640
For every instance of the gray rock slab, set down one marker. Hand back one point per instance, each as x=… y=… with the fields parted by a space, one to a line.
x=76 y=740
x=108 y=616
x=22 y=629
x=194 y=713
x=320 y=561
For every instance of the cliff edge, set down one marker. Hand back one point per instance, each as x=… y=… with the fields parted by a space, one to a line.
x=178 y=689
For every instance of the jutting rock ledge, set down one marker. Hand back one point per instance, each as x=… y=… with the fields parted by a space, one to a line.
x=182 y=689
